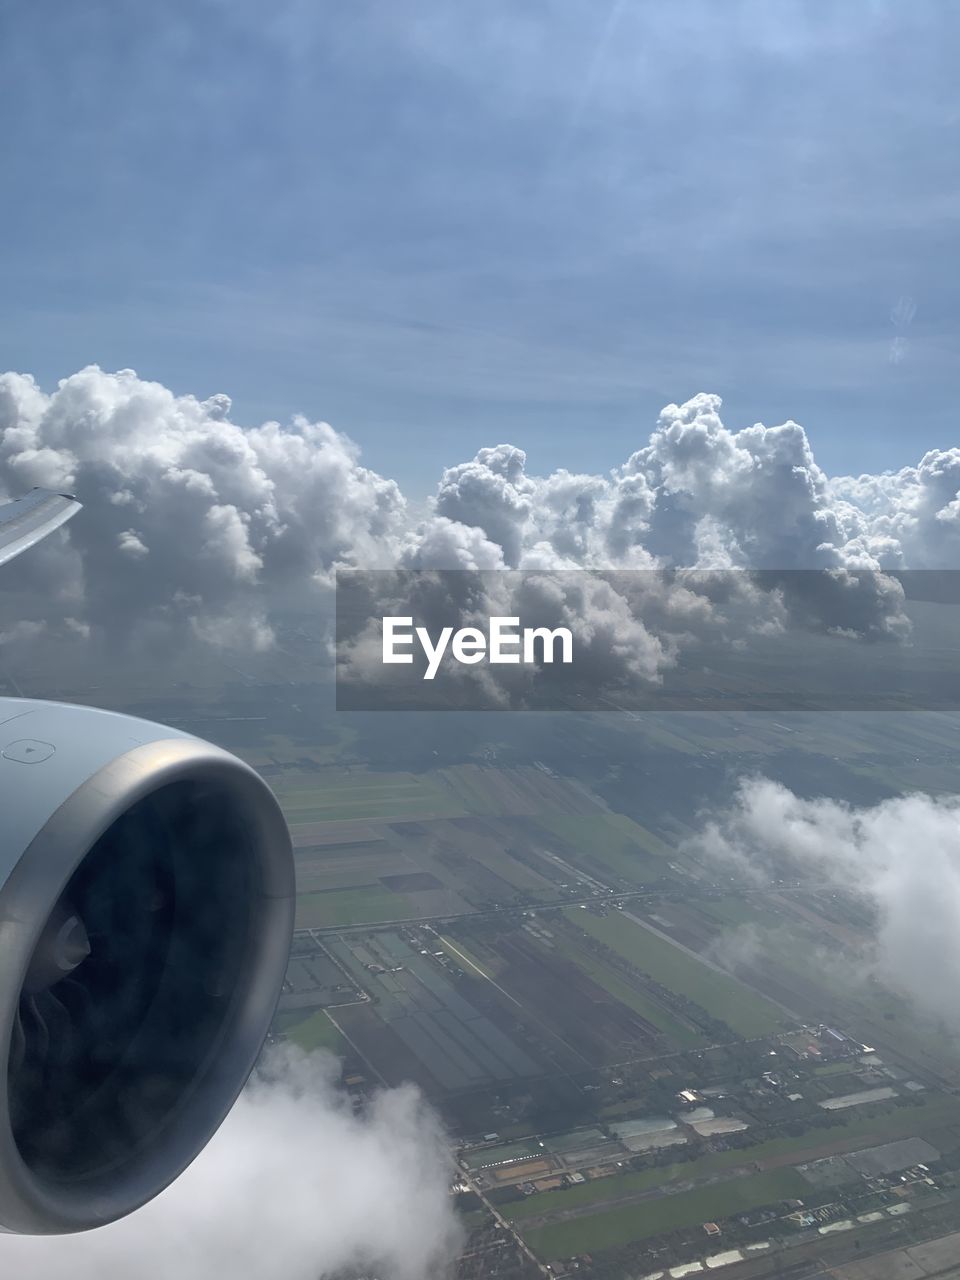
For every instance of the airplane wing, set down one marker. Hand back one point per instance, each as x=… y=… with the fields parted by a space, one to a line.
x=32 y=517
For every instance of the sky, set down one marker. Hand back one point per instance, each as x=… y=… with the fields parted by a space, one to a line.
x=440 y=227
x=446 y=227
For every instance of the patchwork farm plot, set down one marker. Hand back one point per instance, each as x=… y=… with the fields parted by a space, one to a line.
x=497 y=935
x=592 y=1024
x=722 y=995
x=381 y=847
x=416 y=1007
x=664 y=1213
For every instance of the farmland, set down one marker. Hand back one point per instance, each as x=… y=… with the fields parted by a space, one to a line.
x=446 y=843
x=677 y=1030
x=729 y=1000
x=317 y=1032
x=664 y=1213
x=361 y=905
x=613 y=846
x=417 y=1003
x=527 y=997
x=348 y=796
x=798 y=949
x=598 y=1015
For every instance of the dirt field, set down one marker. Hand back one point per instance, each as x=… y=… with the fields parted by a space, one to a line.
x=594 y=1027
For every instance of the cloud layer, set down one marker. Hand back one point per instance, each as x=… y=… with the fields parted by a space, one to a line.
x=292 y=1185
x=199 y=523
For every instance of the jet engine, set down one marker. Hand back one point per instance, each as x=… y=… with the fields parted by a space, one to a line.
x=146 y=912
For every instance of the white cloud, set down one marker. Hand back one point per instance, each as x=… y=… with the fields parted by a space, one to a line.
x=227 y=514
x=914 y=513
x=292 y=1185
x=901 y=856
x=231 y=518
x=131 y=544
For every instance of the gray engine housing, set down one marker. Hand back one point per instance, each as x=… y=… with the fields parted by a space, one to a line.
x=173 y=855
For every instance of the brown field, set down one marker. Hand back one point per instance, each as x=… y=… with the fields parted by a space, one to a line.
x=522 y=1172
x=385 y=1052
x=592 y=1027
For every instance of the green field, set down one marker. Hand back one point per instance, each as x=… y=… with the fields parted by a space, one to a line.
x=352 y=906
x=665 y=1213
x=355 y=795
x=732 y=912
x=740 y=1008
x=833 y=1069
x=316 y=1032
x=629 y=850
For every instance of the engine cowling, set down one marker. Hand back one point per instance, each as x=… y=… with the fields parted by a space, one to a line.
x=146 y=912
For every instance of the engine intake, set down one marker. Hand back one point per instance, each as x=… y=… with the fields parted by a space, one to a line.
x=146 y=911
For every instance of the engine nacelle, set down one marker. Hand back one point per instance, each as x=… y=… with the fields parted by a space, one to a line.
x=146 y=912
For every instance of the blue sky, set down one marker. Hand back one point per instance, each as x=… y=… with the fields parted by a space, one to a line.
x=440 y=225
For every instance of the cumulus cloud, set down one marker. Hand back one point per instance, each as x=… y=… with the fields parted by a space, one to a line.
x=911 y=516
x=293 y=1184
x=491 y=493
x=900 y=857
x=626 y=632
x=224 y=515
x=198 y=523
x=696 y=495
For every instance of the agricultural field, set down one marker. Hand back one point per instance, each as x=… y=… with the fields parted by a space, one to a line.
x=522 y=792
x=677 y=1029
x=596 y=1016
x=346 y=795
x=417 y=1004
x=799 y=950
x=316 y=1031
x=622 y=853
x=660 y=1214
x=490 y=860
x=741 y=1008
x=378 y=847
x=361 y=904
